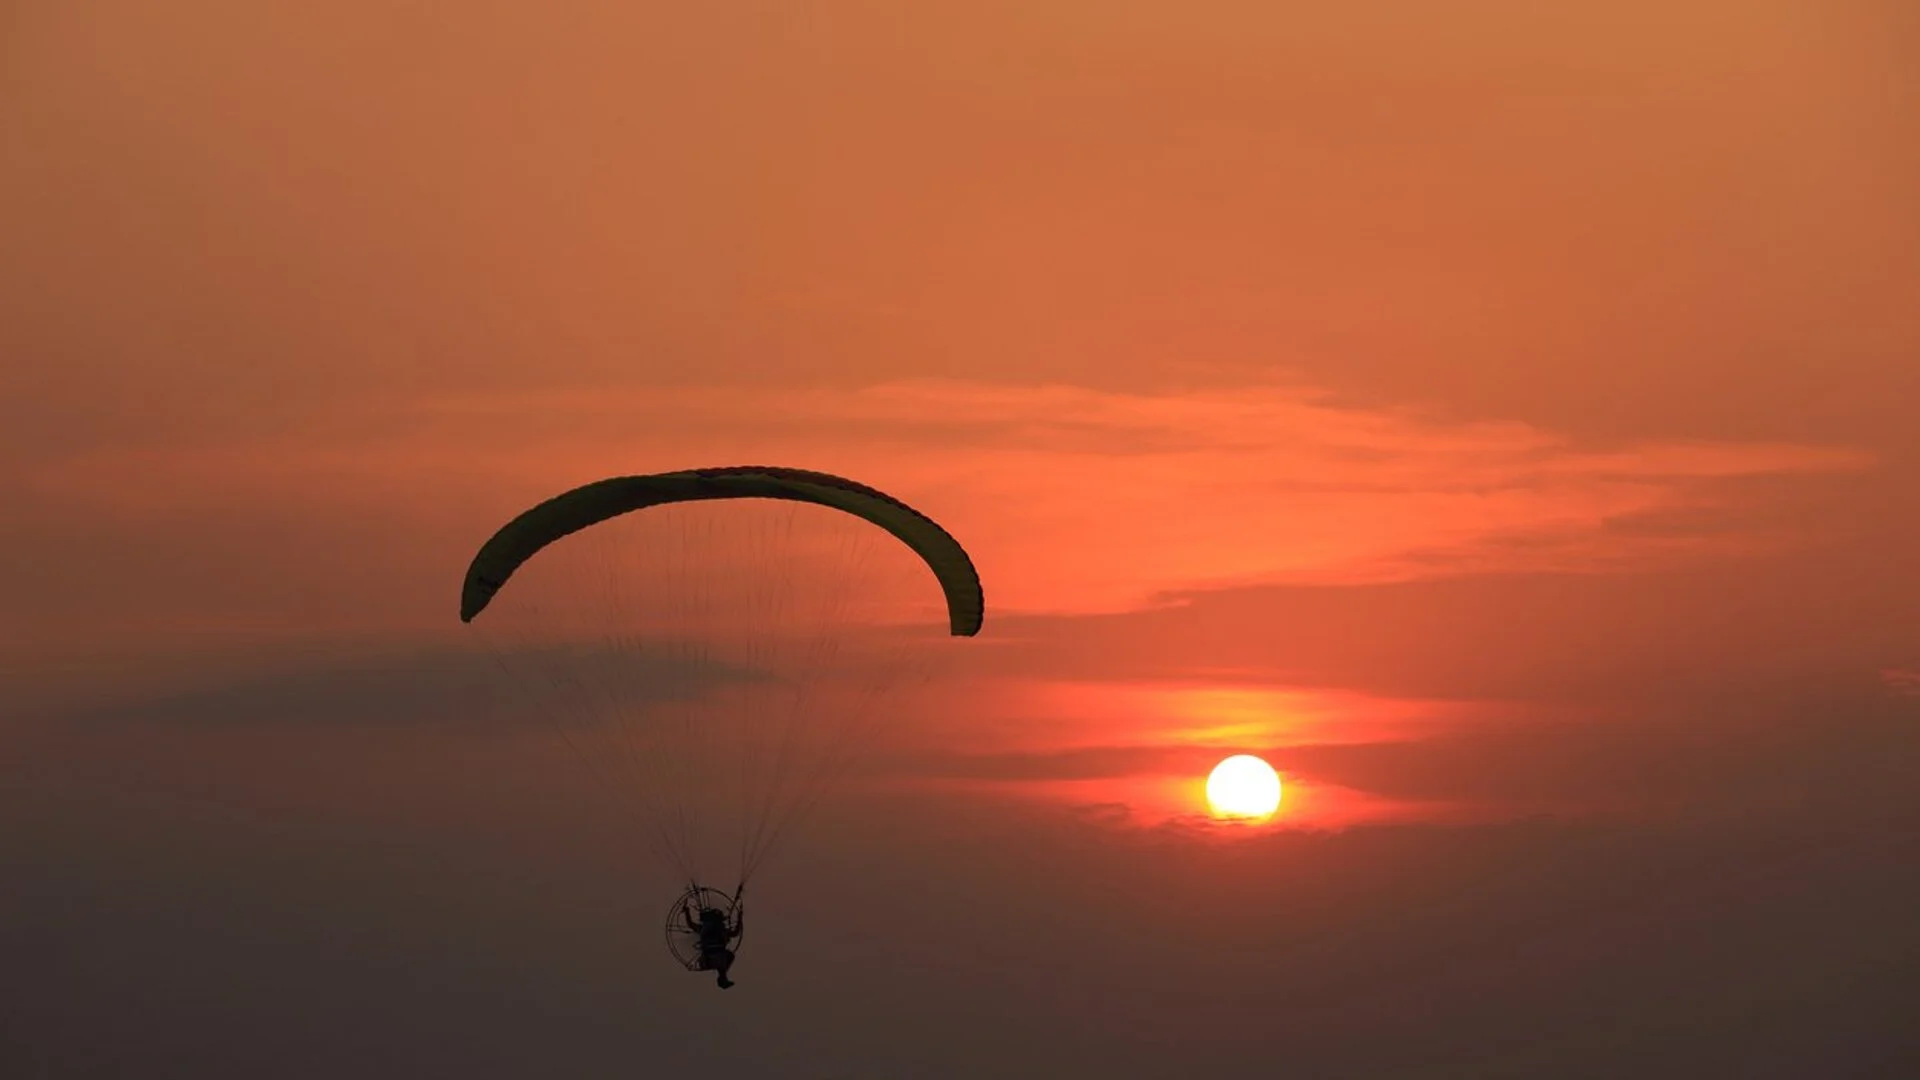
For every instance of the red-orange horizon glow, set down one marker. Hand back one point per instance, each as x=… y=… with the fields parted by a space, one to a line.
x=1160 y=802
x=1145 y=750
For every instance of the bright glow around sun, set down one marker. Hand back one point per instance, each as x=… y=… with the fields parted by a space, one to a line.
x=1243 y=786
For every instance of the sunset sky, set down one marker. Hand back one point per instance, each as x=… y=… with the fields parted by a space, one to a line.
x=1502 y=417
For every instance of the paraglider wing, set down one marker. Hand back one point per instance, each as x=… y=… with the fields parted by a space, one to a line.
x=521 y=538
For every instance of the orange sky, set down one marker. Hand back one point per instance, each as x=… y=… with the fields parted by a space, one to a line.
x=1145 y=305
x=1481 y=410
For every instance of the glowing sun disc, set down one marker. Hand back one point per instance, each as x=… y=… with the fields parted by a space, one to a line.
x=1243 y=786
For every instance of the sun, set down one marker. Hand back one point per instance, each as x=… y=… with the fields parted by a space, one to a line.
x=1243 y=786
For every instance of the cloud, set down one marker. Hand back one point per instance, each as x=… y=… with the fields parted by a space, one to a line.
x=458 y=692
x=1083 y=763
x=1849 y=756
x=1842 y=753
x=1073 y=500
x=1904 y=682
x=1751 y=628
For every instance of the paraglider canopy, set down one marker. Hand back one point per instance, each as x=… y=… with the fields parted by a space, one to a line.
x=590 y=504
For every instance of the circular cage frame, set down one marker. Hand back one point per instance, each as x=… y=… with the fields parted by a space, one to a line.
x=683 y=941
